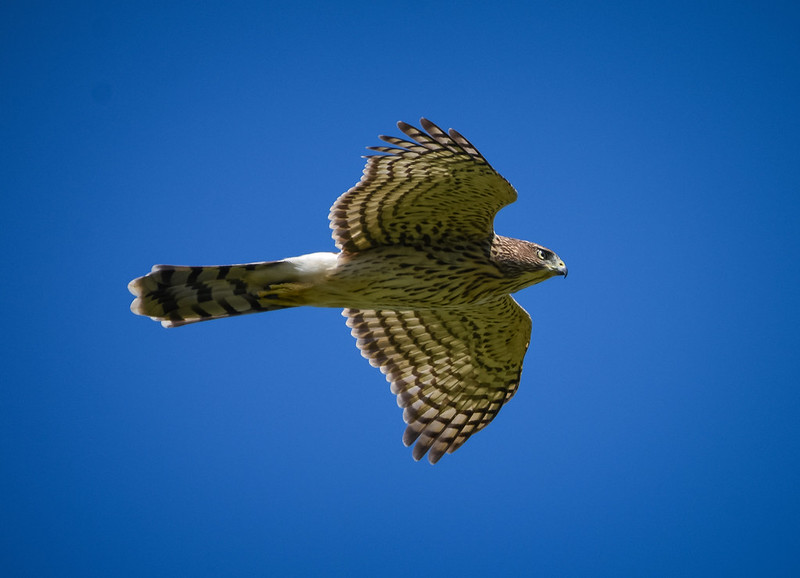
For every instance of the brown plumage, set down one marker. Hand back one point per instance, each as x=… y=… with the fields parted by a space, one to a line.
x=424 y=282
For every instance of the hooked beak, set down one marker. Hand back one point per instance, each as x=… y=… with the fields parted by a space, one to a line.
x=561 y=269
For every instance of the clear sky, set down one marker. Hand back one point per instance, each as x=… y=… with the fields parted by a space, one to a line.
x=655 y=147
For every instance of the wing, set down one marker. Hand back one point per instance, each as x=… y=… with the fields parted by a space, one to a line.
x=452 y=370
x=435 y=186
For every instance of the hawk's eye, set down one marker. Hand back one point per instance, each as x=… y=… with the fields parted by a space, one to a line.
x=541 y=254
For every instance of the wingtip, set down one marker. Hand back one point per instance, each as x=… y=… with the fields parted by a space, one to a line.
x=419 y=452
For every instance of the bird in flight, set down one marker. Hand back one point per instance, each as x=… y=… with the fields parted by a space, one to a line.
x=424 y=282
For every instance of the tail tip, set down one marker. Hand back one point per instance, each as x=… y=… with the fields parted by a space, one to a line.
x=135 y=288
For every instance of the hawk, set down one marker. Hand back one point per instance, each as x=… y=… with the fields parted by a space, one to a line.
x=424 y=281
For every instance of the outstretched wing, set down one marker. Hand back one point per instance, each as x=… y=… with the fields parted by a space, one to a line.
x=452 y=370
x=437 y=185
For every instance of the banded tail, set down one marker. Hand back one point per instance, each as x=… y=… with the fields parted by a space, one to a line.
x=176 y=295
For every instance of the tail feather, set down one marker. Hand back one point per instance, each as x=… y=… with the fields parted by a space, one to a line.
x=177 y=295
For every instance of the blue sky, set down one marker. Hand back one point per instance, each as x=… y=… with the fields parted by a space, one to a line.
x=654 y=146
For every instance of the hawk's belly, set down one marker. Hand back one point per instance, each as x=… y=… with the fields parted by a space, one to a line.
x=409 y=278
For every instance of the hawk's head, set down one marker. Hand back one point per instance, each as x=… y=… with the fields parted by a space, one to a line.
x=544 y=258
x=526 y=262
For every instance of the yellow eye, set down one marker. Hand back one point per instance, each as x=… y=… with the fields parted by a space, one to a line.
x=540 y=254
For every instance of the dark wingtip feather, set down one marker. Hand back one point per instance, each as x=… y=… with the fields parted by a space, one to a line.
x=420 y=449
